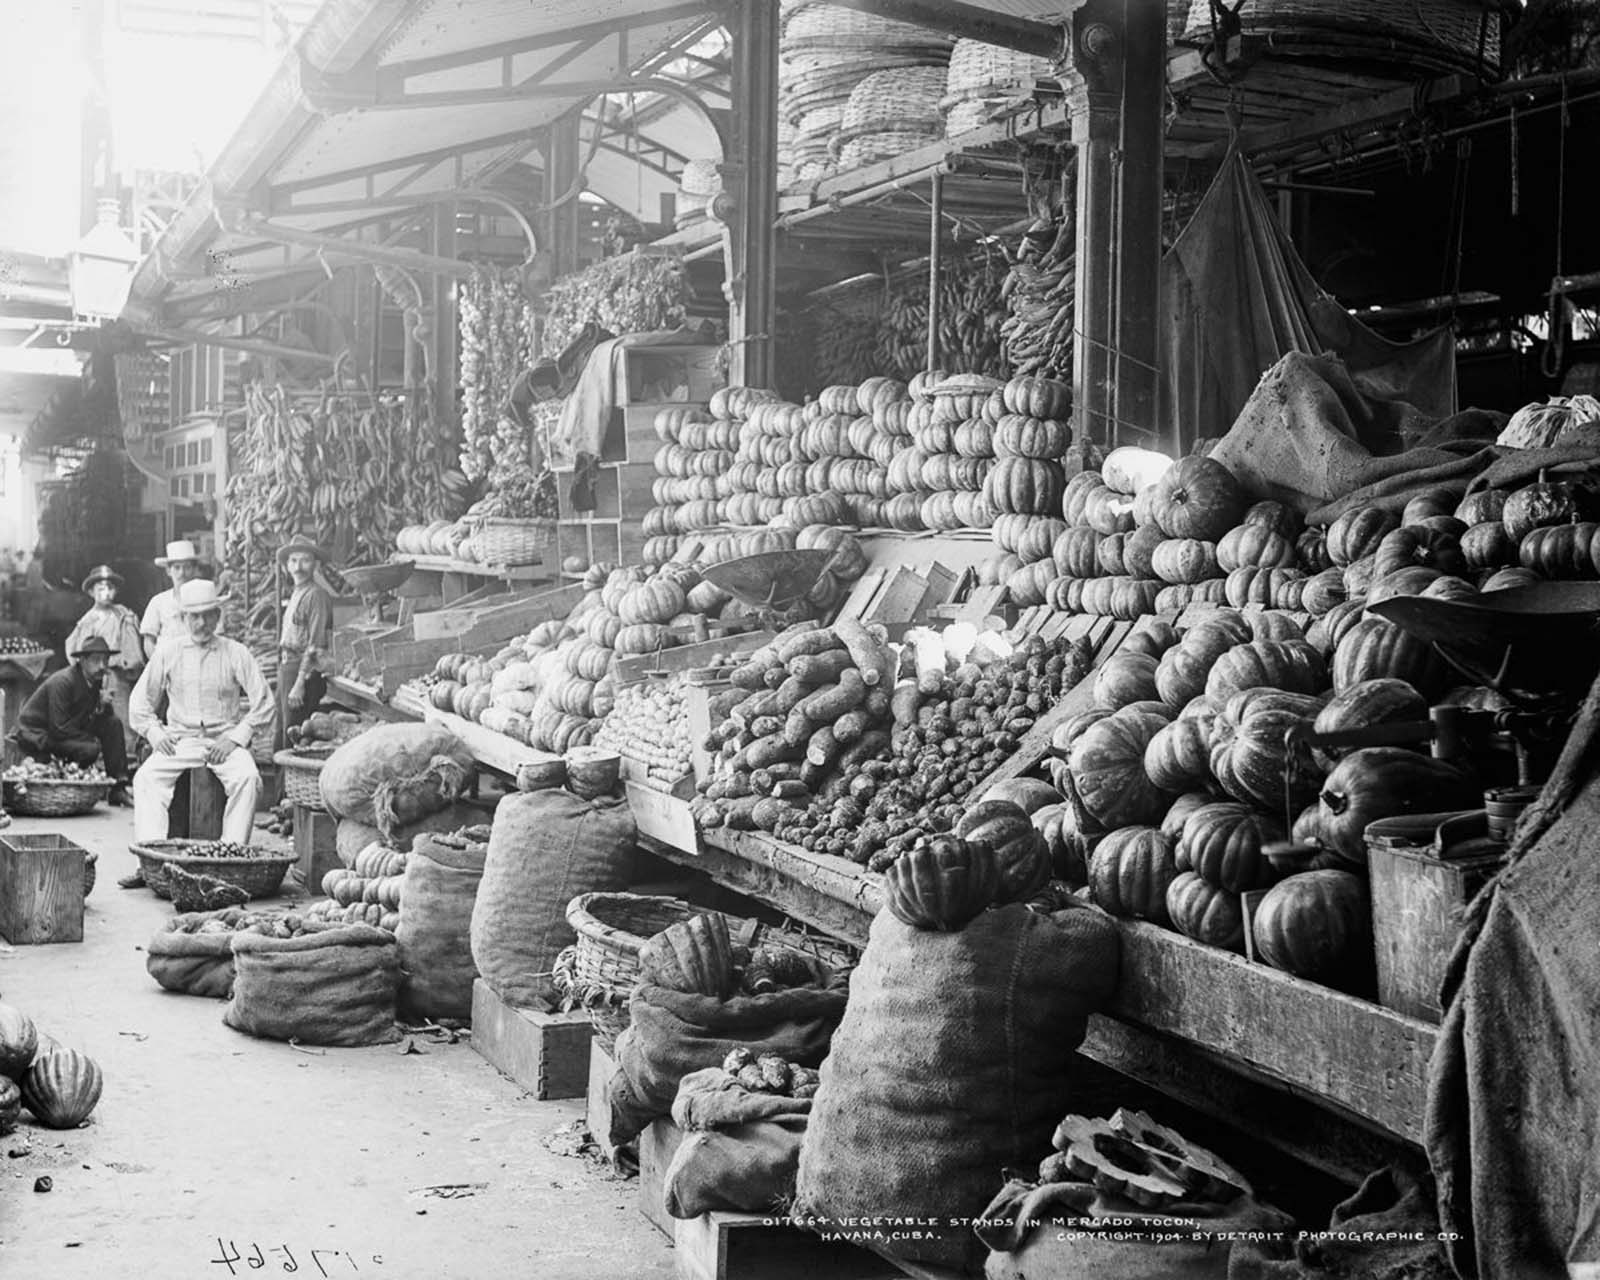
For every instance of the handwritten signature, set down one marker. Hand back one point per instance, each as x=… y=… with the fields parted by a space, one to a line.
x=255 y=1259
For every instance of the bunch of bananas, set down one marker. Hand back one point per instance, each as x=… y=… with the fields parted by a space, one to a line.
x=495 y=322
x=886 y=333
x=347 y=469
x=1039 y=293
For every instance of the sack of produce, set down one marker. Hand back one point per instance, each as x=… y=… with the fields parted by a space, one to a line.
x=353 y=836
x=545 y=848
x=742 y=1145
x=693 y=1008
x=441 y=884
x=193 y=953
x=953 y=1062
x=334 y=986
x=387 y=753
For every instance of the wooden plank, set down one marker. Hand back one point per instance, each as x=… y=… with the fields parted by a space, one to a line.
x=1356 y=1056
x=942 y=584
x=980 y=603
x=829 y=894
x=862 y=594
x=900 y=598
x=490 y=749
x=686 y=657
x=545 y=1053
x=315 y=846
x=597 y=1102
x=365 y=698
x=657 y=1145
x=662 y=817
x=747 y=1246
x=41 y=889
x=482 y=621
x=471 y=569
x=1291 y=1122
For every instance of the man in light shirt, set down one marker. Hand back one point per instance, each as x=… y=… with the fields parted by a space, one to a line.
x=162 y=616
x=217 y=699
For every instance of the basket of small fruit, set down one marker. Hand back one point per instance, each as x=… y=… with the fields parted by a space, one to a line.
x=54 y=789
x=258 y=872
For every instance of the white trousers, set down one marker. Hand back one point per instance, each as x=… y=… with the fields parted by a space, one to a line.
x=157 y=776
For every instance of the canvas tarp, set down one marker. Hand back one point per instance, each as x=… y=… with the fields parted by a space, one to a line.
x=1237 y=298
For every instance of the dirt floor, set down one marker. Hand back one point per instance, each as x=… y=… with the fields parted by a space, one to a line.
x=215 y=1154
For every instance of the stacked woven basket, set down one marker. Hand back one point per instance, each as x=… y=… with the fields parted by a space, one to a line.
x=1423 y=36
x=826 y=52
x=985 y=78
x=698 y=185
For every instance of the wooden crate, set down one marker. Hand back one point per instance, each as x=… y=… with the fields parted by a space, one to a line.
x=41 y=889
x=316 y=846
x=747 y=1246
x=657 y=1145
x=545 y=1053
x=597 y=1104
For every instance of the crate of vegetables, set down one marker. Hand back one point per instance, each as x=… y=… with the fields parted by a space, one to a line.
x=649 y=727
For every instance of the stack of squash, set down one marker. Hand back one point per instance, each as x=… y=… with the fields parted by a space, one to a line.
x=368 y=891
x=59 y=1086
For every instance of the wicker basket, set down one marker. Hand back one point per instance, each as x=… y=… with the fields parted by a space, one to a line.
x=302 y=778
x=514 y=542
x=54 y=797
x=612 y=927
x=259 y=877
x=90 y=861
x=1431 y=32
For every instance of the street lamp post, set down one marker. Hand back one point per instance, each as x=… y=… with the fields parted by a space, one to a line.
x=100 y=270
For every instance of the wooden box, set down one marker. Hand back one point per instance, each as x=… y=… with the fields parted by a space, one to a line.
x=657 y=1145
x=41 y=889
x=747 y=1246
x=597 y=1105
x=546 y=1053
x=316 y=846
x=1417 y=901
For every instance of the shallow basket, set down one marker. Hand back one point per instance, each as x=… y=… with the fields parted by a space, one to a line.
x=259 y=877
x=302 y=778
x=54 y=798
x=612 y=927
x=513 y=542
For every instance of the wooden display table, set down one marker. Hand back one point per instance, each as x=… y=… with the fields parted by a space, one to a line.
x=454 y=579
x=1337 y=1082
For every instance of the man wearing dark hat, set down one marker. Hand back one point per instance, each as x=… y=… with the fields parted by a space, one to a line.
x=69 y=717
x=307 y=637
x=117 y=625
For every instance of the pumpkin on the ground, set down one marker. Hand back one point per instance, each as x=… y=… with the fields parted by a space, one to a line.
x=19 y=1041
x=1373 y=648
x=1254 y=544
x=61 y=1088
x=1182 y=809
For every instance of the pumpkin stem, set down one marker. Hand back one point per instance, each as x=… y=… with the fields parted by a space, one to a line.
x=1335 y=802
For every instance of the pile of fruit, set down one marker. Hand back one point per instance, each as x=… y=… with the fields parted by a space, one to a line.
x=1039 y=292
x=19 y=646
x=273 y=924
x=222 y=849
x=53 y=770
x=495 y=323
x=322 y=730
x=366 y=892
x=649 y=723
x=770 y=1073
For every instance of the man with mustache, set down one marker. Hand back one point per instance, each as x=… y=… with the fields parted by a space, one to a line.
x=70 y=717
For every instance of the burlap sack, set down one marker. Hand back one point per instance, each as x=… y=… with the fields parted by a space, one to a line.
x=953 y=1062
x=385 y=753
x=193 y=964
x=332 y=986
x=672 y=1034
x=441 y=886
x=741 y=1150
x=545 y=849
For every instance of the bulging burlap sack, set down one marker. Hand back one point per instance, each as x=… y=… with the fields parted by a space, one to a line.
x=545 y=849
x=190 y=963
x=952 y=1063
x=333 y=986
x=441 y=886
x=386 y=753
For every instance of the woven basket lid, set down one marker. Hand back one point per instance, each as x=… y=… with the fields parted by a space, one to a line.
x=976 y=66
x=905 y=94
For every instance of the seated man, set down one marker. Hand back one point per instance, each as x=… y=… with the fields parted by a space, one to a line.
x=216 y=699
x=70 y=717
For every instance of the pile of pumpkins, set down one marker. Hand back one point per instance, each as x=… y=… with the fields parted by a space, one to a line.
x=944 y=452
x=59 y=1086
x=369 y=891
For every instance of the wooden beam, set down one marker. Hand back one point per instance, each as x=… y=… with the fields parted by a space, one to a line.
x=1041 y=39
x=1137 y=250
x=750 y=181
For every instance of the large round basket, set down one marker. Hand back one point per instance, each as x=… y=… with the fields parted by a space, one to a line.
x=259 y=877
x=302 y=777
x=54 y=797
x=603 y=968
x=511 y=543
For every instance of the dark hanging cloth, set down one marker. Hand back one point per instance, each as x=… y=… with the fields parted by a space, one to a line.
x=1237 y=299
